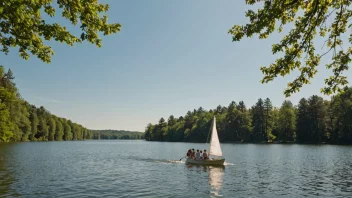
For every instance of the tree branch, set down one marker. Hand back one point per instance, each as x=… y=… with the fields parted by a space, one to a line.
x=291 y=3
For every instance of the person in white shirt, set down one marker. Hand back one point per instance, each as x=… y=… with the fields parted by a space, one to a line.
x=198 y=155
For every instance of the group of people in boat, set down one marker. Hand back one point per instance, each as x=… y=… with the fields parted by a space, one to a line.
x=197 y=155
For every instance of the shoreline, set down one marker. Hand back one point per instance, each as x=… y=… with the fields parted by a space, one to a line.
x=288 y=143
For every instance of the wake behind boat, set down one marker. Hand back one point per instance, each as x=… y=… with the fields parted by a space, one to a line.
x=215 y=153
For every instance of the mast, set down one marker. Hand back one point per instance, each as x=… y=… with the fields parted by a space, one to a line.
x=210 y=132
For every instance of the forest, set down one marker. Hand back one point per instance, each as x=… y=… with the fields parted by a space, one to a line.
x=313 y=120
x=21 y=121
x=116 y=134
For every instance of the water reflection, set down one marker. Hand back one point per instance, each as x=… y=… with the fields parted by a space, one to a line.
x=6 y=178
x=215 y=177
x=73 y=169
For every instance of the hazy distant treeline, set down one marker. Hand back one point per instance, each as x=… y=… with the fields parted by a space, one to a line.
x=117 y=134
x=312 y=120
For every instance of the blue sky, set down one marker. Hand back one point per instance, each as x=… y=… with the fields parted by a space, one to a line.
x=170 y=57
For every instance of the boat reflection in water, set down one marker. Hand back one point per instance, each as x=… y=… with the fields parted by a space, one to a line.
x=216 y=177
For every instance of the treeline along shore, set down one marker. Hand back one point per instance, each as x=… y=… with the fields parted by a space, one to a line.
x=110 y=134
x=313 y=120
x=21 y=121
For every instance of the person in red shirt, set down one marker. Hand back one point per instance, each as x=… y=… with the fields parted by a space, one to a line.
x=189 y=152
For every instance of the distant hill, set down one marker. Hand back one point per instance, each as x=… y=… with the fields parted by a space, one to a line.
x=110 y=134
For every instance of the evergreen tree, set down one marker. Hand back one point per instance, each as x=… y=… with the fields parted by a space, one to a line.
x=148 y=132
x=341 y=106
x=309 y=122
x=218 y=110
x=286 y=122
x=244 y=123
x=275 y=124
x=232 y=127
x=258 y=121
x=200 y=111
x=171 y=121
x=268 y=107
x=317 y=113
x=232 y=106
x=302 y=122
x=162 y=129
x=241 y=106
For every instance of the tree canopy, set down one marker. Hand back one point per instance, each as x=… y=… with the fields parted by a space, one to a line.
x=328 y=19
x=313 y=120
x=116 y=134
x=23 y=26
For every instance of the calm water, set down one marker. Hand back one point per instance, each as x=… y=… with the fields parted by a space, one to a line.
x=152 y=169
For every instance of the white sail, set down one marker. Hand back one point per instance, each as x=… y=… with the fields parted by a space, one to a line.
x=215 y=148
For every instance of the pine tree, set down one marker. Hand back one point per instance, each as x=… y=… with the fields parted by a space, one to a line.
x=302 y=122
x=171 y=121
x=341 y=106
x=317 y=113
x=258 y=121
x=268 y=107
x=241 y=106
x=244 y=121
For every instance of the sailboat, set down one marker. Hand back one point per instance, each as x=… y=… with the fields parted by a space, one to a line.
x=215 y=153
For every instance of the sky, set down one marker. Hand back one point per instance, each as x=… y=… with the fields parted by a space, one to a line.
x=170 y=57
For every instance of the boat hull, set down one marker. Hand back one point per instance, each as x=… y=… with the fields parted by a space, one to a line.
x=205 y=162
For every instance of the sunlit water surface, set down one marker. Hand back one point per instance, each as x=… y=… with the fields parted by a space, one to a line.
x=152 y=169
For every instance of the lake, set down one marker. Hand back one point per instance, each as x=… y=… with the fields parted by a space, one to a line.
x=136 y=168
